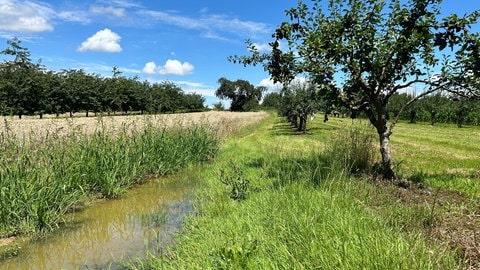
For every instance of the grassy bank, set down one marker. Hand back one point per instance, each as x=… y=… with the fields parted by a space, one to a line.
x=43 y=177
x=277 y=200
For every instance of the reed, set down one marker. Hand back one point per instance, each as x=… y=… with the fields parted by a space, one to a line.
x=44 y=177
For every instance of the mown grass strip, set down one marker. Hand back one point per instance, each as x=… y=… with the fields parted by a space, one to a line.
x=301 y=210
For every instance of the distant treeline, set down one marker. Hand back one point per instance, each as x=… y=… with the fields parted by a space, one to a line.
x=438 y=108
x=300 y=101
x=29 y=89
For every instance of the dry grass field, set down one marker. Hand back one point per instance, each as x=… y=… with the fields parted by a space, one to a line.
x=222 y=122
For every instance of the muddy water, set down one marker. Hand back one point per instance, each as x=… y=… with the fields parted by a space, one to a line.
x=113 y=231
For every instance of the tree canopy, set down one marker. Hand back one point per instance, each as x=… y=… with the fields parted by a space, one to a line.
x=31 y=89
x=242 y=94
x=361 y=53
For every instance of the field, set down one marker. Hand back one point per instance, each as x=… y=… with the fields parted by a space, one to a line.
x=223 y=123
x=277 y=199
x=270 y=198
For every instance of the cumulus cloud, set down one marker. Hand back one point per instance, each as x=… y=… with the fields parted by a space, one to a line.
x=25 y=16
x=271 y=86
x=150 y=68
x=268 y=83
x=103 y=41
x=171 y=67
x=175 y=67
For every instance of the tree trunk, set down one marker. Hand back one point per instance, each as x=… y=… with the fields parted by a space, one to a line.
x=379 y=121
x=302 y=127
x=387 y=163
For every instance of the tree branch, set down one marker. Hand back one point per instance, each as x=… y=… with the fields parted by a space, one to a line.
x=428 y=92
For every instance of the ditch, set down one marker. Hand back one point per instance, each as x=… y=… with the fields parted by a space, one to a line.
x=113 y=232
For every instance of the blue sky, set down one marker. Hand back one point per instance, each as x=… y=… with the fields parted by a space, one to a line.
x=185 y=42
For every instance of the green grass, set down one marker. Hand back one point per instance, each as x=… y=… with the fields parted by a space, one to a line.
x=43 y=180
x=300 y=209
x=442 y=155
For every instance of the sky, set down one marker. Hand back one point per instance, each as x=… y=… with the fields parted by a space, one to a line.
x=186 y=42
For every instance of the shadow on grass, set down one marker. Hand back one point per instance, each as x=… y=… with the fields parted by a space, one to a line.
x=465 y=183
x=312 y=169
x=283 y=128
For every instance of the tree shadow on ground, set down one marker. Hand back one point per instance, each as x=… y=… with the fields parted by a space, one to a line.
x=282 y=128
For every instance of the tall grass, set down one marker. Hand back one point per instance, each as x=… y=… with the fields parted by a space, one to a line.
x=42 y=179
x=301 y=210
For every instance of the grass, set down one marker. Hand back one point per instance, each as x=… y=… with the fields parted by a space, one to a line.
x=44 y=179
x=442 y=155
x=297 y=206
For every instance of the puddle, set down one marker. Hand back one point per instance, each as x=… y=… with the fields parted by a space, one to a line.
x=112 y=231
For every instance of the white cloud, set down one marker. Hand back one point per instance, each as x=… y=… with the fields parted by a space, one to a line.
x=25 y=16
x=150 y=68
x=74 y=16
x=271 y=86
x=191 y=84
x=171 y=67
x=122 y=3
x=175 y=67
x=103 y=41
x=211 y=25
x=268 y=83
x=117 y=12
x=262 y=47
x=202 y=92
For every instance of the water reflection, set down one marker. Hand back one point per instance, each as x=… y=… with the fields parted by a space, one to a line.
x=111 y=231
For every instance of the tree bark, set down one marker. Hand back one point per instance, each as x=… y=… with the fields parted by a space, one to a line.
x=302 y=127
x=387 y=163
x=379 y=121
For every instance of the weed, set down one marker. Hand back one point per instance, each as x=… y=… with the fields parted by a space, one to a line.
x=236 y=255
x=233 y=177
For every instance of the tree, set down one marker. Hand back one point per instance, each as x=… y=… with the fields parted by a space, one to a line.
x=299 y=100
x=193 y=102
x=218 y=106
x=271 y=100
x=363 y=52
x=22 y=84
x=171 y=97
x=433 y=104
x=243 y=95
